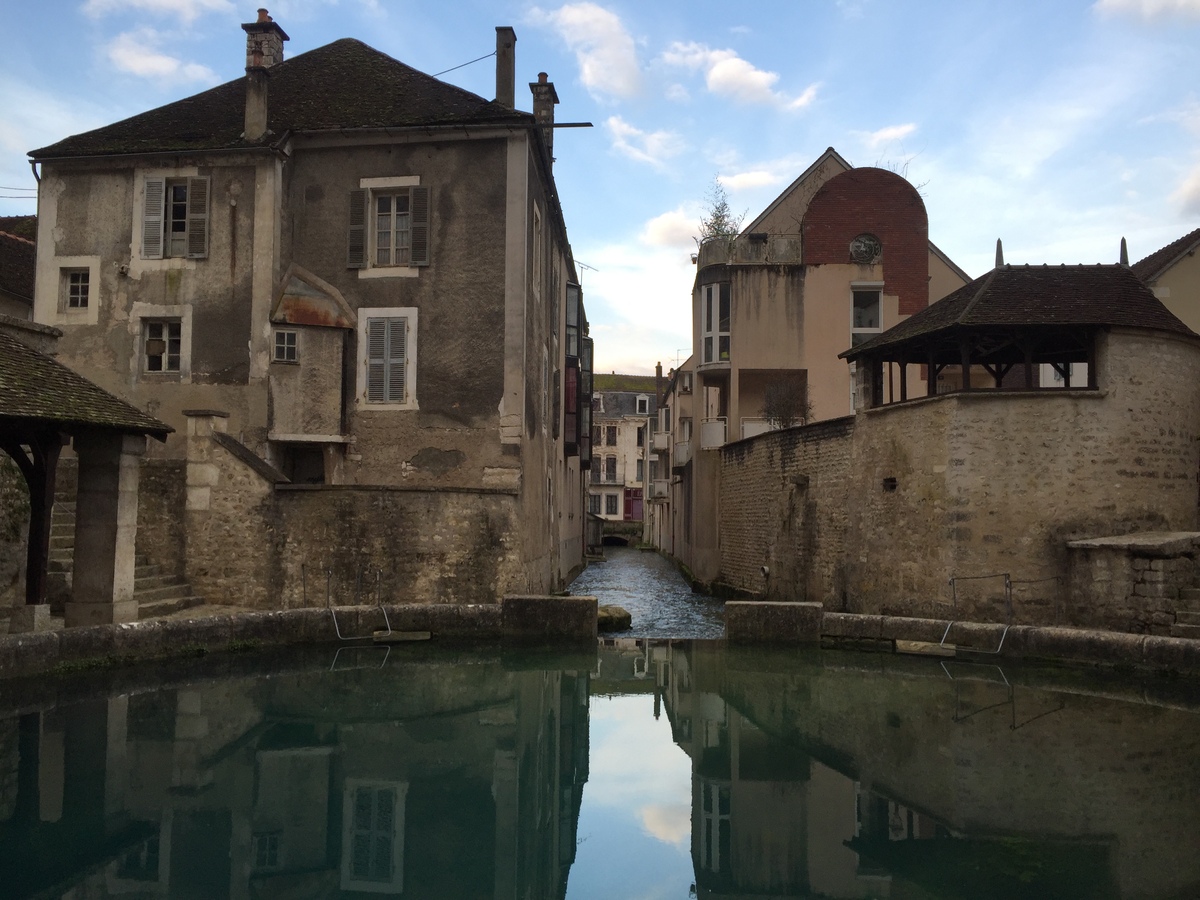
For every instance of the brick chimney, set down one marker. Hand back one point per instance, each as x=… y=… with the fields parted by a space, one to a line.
x=506 y=66
x=544 y=100
x=264 y=48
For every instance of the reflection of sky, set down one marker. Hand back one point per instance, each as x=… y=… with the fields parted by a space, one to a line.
x=635 y=821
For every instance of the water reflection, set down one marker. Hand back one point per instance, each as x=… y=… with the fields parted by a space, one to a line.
x=710 y=772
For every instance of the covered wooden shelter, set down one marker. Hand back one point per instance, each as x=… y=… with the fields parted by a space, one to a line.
x=43 y=404
x=1007 y=324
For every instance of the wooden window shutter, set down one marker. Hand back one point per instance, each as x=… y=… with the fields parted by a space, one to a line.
x=420 y=226
x=397 y=359
x=152 y=217
x=376 y=360
x=197 y=218
x=356 y=252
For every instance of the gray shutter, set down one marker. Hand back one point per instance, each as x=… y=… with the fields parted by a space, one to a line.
x=197 y=218
x=420 y=226
x=376 y=360
x=397 y=359
x=153 y=204
x=356 y=252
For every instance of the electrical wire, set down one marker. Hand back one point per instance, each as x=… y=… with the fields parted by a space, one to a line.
x=464 y=65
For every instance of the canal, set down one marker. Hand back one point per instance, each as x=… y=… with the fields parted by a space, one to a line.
x=637 y=768
x=651 y=589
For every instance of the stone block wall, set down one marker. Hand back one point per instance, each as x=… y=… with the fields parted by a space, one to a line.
x=161 y=537
x=783 y=505
x=1131 y=584
x=14 y=530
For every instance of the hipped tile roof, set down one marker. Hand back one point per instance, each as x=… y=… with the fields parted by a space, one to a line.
x=35 y=387
x=1036 y=296
x=342 y=85
x=1160 y=260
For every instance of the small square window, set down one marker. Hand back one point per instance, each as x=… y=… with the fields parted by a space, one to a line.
x=286 y=349
x=162 y=342
x=76 y=287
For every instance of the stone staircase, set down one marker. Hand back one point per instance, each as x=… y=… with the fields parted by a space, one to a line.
x=1187 y=613
x=157 y=592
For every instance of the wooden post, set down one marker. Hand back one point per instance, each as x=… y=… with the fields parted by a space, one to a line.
x=39 y=466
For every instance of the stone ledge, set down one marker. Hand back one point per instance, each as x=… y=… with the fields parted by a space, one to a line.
x=1163 y=544
x=757 y=622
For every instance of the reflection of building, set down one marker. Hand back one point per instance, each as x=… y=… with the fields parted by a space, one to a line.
x=416 y=780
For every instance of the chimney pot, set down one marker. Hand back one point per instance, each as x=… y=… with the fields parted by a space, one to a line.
x=262 y=15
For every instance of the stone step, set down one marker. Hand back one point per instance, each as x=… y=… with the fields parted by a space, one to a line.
x=178 y=588
x=62 y=529
x=148 y=610
x=65 y=557
x=1187 y=617
x=1186 y=631
x=62 y=542
x=154 y=580
x=146 y=570
x=1191 y=595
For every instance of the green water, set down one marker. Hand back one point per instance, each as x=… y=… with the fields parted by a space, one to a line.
x=642 y=770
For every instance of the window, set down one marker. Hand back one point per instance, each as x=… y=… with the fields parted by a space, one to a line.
x=610 y=468
x=653 y=469
x=641 y=436
x=685 y=382
x=611 y=504
x=373 y=837
x=266 y=850
x=161 y=342
x=596 y=435
x=594 y=504
x=714 y=307
x=866 y=315
x=610 y=435
x=76 y=285
x=388 y=226
x=643 y=405
x=285 y=346
x=641 y=470
x=174 y=217
x=387 y=353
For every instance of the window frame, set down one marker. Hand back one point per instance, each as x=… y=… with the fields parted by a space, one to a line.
x=349 y=881
x=612 y=504
x=712 y=335
x=362 y=248
x=866 y=331
x=156 y=215
x=167 y=323
x=366 y=315
x=293 y=345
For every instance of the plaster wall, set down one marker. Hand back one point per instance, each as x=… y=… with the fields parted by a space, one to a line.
x=306 y=398
x=1179 y=290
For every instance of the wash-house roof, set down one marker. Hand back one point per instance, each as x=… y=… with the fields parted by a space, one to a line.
x=37 y=390
x=1048 y=299
x=342 y=85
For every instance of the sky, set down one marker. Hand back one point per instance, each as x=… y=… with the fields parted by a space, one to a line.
x=1057 y=126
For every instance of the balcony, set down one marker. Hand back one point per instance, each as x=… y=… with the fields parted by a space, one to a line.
x=750 y=249
x=660 y=489
x=712 y=433
x=752 y=427
x=660 y=441
x=682 y=454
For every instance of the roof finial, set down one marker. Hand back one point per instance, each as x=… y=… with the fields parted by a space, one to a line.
x=999 y=253
x=1124 y=254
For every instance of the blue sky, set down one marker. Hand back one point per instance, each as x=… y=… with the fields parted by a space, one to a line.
x=1058 y=126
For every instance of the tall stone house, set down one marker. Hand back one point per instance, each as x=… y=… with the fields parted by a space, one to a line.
x=348 y=287
x=623 y=410
x=840 y=256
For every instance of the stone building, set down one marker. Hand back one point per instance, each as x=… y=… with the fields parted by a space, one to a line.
x=838 y=257
x=348 y=287
x=623 y=467
x=1053 y=503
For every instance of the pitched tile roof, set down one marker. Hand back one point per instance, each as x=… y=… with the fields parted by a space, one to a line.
x=21 y=226
x=1037 y=295
x=33 y=386
x=602 y=381
x=18 y=260
x=345 y=84
x=1160 y=260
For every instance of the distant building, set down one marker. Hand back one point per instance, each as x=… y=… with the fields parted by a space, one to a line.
x=623 y=409
x=18 y=262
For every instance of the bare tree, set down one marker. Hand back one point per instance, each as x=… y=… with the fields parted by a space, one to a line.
x=785 y=401
x=718 y=219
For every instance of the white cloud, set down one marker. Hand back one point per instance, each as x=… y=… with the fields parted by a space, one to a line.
x=670 y=823
x=187 y=10
x=134 y=52
x=876 y=139
x=756 y=178
x=1149 y=9
x=677 y=93
x=728 y=74
x=653 y=147
x=671 y=229
x=607 y=55
x=1188 y=194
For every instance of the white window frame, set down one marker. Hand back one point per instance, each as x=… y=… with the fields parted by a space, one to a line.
x=376 y=187
x=142 y=312
x=643 y=405
x=153 y=212
x=164 y=327
x=365 y=316
x=873 y=287
x=710 y=324
x=56 y=309
x=293 y=345
x=395 y=884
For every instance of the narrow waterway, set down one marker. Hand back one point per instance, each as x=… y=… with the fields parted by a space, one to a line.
x=652 y=590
